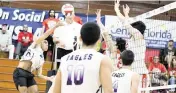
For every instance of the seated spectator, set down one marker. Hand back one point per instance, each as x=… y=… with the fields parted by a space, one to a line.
x=25 y=39
x=172 y=74
x=157 y=70
x=167 y=54
x=163 y=82
x=6 y=41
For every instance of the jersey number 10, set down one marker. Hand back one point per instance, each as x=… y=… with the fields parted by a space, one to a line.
x=75 y=74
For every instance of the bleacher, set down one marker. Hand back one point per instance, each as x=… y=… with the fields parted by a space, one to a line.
x=6 y=76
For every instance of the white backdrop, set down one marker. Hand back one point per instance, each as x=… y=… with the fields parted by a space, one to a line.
x=157 y=33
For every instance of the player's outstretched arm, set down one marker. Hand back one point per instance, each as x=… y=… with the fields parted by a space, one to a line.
x=46 y=34
x=117 y=10
x=57 y=85
x=111 y=46
x=105 y=75
x=136 y=34
x=135 y=83
x=40 y=75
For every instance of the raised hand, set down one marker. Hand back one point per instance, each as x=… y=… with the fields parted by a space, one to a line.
x=117 y=10
x=98 y=13
x=116 y=6
x=102 y=27
x=126 y=10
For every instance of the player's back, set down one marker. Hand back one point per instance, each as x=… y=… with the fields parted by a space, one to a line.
x=80 y=71
x=121 y=81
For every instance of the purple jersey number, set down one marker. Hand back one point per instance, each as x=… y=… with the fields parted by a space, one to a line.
x=115 y=90
x=115 y=86
x=77 y=73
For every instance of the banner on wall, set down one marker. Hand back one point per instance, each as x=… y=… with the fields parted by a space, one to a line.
x=16 y=18
x=157 y=32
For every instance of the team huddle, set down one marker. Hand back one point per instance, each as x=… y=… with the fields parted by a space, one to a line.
x=85 y=70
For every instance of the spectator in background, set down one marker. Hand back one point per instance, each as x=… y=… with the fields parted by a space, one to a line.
x=50 y=22
x=25 y=39
x=78 y=20
x=167 y=54
x=156 y=71
x=163 y=82
x=103 y=47
x=47 y=24
x=172 y=74
x=65 y=36
x=6 y=41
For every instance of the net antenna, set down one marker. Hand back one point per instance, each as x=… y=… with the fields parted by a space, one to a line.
x=157 y=88
x=87 y=10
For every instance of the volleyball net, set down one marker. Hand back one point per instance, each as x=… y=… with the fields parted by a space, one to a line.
x=160 y=28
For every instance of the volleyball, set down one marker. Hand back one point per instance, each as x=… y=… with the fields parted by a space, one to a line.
x=67 y=8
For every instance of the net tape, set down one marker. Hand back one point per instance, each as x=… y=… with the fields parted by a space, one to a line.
x=157 y=88
x=153 y=12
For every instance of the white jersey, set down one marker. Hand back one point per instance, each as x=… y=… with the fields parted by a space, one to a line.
x=139 y=48
x=67 y=34
x=35 y=55
x=121 y=80
x=80 y=71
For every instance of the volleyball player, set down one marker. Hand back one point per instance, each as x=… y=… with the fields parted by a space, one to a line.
x=85 y=70
x=32 y=60
x=121 y=44
x=125 y=80
x=109 y=42
x=136 y=43
x=115 y=50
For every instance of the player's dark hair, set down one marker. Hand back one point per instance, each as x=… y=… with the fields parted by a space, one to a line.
x=139 y=25
x=90 y=33
x=171 y=40
x=101 y=50
x=50 y=12
x=4 y=24
x=127 y=57
x=102 y=39
x=120 y=43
